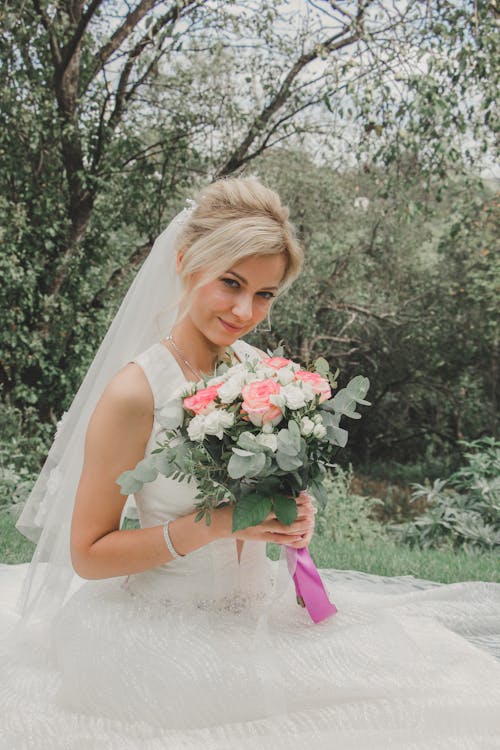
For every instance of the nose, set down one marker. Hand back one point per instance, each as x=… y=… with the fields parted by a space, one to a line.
x=243 y=307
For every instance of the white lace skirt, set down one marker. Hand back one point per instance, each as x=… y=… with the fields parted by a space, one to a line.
x=404 y=664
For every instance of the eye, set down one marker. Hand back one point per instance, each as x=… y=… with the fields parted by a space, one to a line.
x=232 y=283
x=267 y=295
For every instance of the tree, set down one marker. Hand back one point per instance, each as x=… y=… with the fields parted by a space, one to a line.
x=113 y=112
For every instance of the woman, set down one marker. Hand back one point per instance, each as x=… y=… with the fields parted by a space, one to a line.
x=187 y=636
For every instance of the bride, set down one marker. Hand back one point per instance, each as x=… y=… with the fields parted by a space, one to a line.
x=183 y=635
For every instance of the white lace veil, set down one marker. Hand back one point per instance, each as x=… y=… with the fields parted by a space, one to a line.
x=145 y=316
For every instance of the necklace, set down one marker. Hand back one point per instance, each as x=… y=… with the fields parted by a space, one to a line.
x=198 y=374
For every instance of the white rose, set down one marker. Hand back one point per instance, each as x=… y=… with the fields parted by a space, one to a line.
x=308 y=390
x=267 y=428
x=216 y=380
x=196 y=428
x=263 y=373
x=294 y=396
x=231 y=389
x=270 y=441
x=278 y=399
x=306 y=426
x=319 y=431
x=317 y=419
x=285 y=375
x=216 y=421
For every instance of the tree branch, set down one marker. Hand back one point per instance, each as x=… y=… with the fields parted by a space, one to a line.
x=70 y=48
x=47 y=25
x=119 y=37
x=333 y=44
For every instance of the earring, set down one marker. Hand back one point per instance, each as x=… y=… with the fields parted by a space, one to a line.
x=260 y=329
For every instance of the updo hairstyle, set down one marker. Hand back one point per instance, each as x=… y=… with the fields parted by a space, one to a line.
x=235 y=218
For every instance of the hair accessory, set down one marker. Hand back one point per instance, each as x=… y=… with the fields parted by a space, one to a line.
x=186 y=211
x=168 y=541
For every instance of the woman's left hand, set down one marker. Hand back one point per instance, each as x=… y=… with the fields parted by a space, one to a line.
x=306 y=516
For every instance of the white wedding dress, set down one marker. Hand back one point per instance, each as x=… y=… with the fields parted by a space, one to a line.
x=211 y=652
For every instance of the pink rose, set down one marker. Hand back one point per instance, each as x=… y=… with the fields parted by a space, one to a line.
x=319 y=385
x=256 y=402
x=277 y=362
x=201 y=400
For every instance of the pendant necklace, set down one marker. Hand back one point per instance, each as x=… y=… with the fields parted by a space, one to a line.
x=198 y=374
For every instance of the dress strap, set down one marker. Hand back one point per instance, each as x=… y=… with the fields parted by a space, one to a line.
x=162 y=372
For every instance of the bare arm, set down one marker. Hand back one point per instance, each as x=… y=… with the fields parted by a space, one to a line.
x=116 y=440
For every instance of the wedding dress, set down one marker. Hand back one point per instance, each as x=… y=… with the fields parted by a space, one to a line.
x=212 y=652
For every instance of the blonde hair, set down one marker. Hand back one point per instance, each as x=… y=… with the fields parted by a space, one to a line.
x=235 y=218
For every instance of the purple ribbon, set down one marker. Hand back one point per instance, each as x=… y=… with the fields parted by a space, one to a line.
x=309 y=587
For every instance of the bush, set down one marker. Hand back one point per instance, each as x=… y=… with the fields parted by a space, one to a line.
x=23 y=446
x=464 y=510
x=347 y=516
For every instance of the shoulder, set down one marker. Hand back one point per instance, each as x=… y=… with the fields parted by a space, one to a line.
x=128 y=394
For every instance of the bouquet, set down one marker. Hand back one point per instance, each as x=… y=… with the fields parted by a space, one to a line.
x=254 y=435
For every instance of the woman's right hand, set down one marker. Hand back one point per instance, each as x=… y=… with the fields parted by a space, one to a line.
x=270 y=529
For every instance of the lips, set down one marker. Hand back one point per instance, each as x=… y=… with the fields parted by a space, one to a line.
x=229 y=327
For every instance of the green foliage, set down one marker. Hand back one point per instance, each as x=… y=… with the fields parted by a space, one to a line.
x=401 y=277
x=406 y=296
x=23 y=444
x=464 y=510
x=347 y=517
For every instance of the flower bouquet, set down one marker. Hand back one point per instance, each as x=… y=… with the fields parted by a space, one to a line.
x=254 y=435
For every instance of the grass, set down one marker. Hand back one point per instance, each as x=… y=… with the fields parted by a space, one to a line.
x=384 y=558
x=14 y=547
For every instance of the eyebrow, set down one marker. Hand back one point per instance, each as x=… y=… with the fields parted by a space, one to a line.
x=241 y=278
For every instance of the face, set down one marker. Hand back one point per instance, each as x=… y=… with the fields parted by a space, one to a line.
x=233 y=304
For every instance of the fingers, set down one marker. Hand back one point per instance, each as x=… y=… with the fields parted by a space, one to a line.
x=304 y=498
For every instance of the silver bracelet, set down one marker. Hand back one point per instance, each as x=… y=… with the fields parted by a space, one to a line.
x=168 y=541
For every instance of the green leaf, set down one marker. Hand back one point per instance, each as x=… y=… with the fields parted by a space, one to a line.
x=145 y=471
x=357 y=388
x=287 y=462
x=337 y=435
x=285 y=509
x=247 y=441
x=289 y=439
x=128 y=483
x=250 y=510
x=344 y=403
x=237 y=466
x=321 y=366
x=246 y=466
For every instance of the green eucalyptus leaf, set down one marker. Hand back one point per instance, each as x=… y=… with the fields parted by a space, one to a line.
x=358 y=388
x=237 y=466
x=248 y=442
x=146 y=471
x=337 y=435
x=241 y=452
x=344 y=403
x=321 y=366
x=129 y=484
x=287 y=462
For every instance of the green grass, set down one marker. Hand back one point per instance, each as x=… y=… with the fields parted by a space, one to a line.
x=383 y=558
x=386 y=558
x=14 y=547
